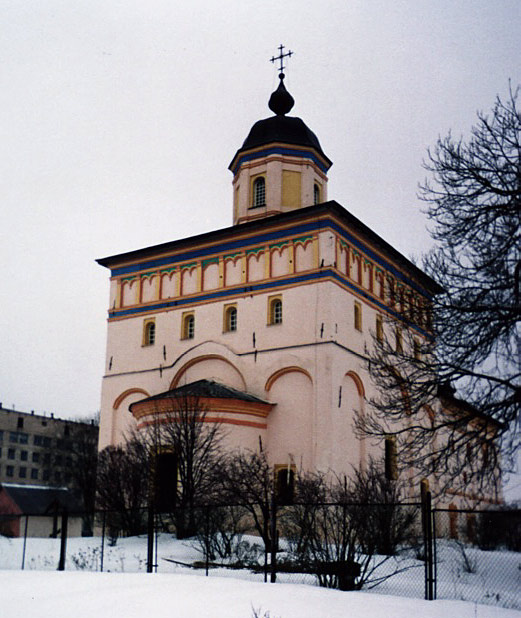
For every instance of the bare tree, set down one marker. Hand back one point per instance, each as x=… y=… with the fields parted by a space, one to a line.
x=122 y=487
x=344 y=530
x=471 y=343
x=184 y=447
x=246 y=479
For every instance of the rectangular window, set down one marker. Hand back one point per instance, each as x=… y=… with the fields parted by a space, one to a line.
x=9 y=471
x=358 y=316
x=47 y=442
x=34 y=473
x=399 y=341
x=23 y=438
x=47 y=458
x=37 y=440
x=36 y=457
x=1 y=436
x=58 y=460
x=379 y=328
x=417 y=350
x=13 y=436
x=22 y=472
x=11 y=453
x=46 y=475
x=23 y=455
x=20 y=423
x=391 y=469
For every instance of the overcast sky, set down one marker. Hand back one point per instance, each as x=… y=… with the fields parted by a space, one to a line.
x=119 y=120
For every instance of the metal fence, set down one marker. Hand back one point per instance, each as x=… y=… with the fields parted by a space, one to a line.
x=401 y=549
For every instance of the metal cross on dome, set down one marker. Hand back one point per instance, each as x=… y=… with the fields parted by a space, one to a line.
x=281 y=57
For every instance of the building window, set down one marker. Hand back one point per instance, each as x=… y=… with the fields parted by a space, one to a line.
x=188 y=326
x=46 y=475
x=379 y=328
x=20 y=424
x=316 y=193
x=230 y=318
x=9 y=470
x=399 y=341
x=34 y=473
x=58 y=477
x=149 y=332
x=1 y=436
x=275 y=310
x=36 y=457
x=47 y=458
x=22 y=472
x=391 y=468
x=358 y=316
x=259 y=192
x=58 y=460
x=417 y=350
x=23 y=455
x=37 y=440
x=11 y=453
x=284 y=484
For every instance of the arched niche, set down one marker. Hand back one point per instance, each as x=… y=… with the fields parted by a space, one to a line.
x=210 y=367
x=290 y=424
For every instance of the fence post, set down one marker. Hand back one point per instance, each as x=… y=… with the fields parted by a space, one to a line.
x=428 y=544
x=25 y=540
x=273 y=535
x=63 y=541
x=150 y=538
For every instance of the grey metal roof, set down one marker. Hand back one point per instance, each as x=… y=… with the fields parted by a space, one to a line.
x=204 y=388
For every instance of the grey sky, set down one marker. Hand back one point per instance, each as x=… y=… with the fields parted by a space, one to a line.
x=119 y=119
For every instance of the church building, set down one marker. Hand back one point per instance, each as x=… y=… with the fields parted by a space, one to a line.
x=266 y=321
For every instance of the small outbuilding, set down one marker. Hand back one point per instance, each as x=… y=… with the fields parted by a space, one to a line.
x=36 y=510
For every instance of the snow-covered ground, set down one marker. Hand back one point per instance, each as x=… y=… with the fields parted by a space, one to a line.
x=126 y=590
x=135 y=595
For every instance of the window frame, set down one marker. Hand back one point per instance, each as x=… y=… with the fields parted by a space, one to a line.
x=229 y=323
x=275 y=317
x=188 y=325
x=317 y=193
x=149 y=332
x=379 y=328
x=258 y=196
x=357 y=316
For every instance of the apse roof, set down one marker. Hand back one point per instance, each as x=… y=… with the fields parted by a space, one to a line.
x=204 y=388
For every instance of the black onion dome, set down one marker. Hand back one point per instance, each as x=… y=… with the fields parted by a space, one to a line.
x=281 y=102
x=281 y=128
x=285 y=129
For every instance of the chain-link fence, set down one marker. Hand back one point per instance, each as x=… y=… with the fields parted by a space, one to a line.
x=478 y=556
x=382 y=548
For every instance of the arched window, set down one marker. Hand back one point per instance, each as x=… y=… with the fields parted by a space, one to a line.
x=230 y=319
x=275 y=311
x=149 y=333
x=188 y=326
x=259 y=192
x=316 y=194
x=284 y=484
